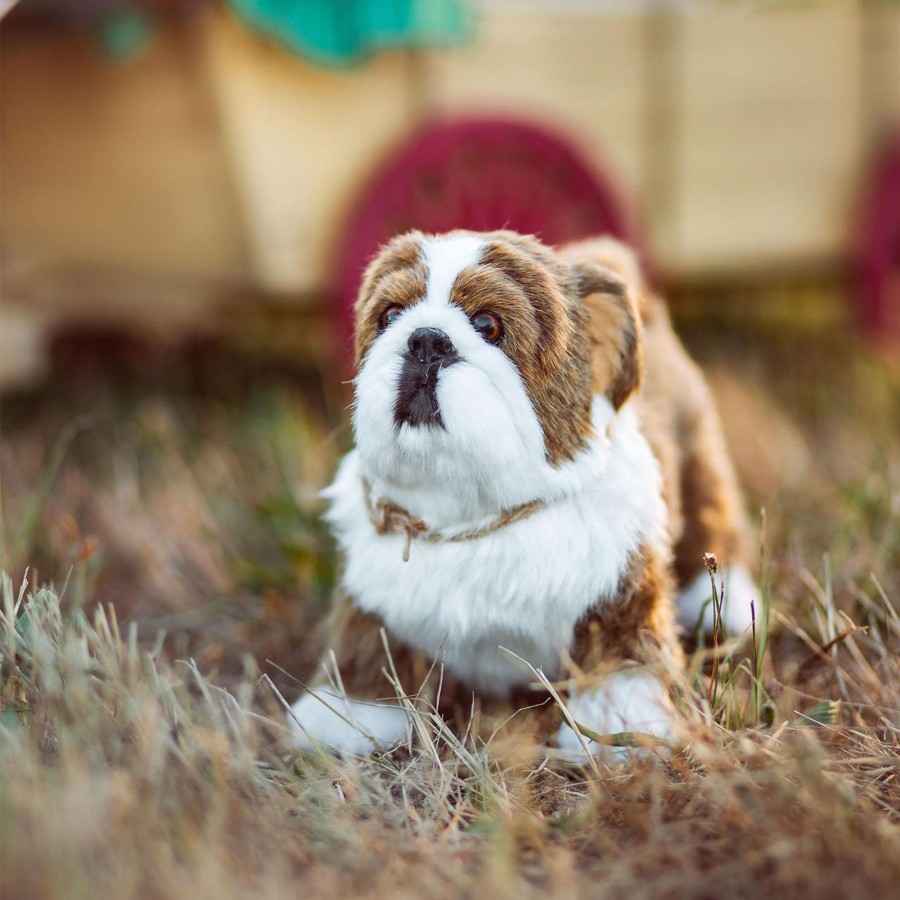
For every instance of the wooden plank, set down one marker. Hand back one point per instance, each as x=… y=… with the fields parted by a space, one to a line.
x=771 y=138
x=302 y=140
x=579 y=73
x=114 y=164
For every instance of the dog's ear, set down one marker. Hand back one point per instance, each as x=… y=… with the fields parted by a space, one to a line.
x=611 y=299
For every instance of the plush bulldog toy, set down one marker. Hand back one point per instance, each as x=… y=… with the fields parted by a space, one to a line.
x=538 y=472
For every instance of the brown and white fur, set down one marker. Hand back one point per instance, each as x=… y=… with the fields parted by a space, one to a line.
x=555 y=489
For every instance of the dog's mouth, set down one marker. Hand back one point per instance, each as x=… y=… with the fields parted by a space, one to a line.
x=429 y=350
x=417 y=402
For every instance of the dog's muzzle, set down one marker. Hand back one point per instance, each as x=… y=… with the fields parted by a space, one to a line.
x=429 y=351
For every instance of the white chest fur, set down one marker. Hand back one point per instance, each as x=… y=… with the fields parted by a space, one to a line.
x=522 y=587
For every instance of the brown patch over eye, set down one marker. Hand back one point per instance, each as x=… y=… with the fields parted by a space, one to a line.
x=543 y=331
x=487 y=325
x=394 y=279
x=389 y=316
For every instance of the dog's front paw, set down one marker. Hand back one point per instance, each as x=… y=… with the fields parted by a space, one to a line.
x=632 y=702
x=349 y=726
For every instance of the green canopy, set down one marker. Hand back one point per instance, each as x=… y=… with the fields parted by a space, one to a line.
x=340 y=32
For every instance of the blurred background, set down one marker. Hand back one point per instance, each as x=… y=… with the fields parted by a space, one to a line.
x=166 y=160
x=191 y=189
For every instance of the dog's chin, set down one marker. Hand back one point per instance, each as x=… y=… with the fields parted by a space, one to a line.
x=456 y=427
x=416 y=403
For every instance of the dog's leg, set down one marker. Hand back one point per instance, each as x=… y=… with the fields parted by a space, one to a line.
x=701 y=486
x=712 y=522
x=621 y=650
x=353 y=707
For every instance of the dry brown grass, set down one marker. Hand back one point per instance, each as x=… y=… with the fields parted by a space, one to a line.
x=149 y=759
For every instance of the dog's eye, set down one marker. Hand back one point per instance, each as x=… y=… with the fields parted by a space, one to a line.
x=389 y=316
x=487 y=325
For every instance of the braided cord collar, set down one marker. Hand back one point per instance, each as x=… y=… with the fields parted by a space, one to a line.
x=389 y=518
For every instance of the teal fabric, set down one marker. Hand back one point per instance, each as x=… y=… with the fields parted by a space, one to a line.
x=340 y=32
x=123 y=35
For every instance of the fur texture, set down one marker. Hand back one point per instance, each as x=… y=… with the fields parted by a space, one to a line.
x=329 y=718
x=627 y=701
x=436 y=600
x=737 y=590
x=582 y=409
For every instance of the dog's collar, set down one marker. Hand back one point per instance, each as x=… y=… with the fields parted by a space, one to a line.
x=388 y=517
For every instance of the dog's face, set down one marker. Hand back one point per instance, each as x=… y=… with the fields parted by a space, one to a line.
x=479 y=357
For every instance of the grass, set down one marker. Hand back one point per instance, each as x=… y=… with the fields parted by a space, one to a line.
x=166 y=574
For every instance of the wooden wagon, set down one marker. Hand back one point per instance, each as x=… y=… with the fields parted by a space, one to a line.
x=740 y=142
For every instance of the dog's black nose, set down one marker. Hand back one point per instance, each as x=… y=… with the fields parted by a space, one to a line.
x=431 y=345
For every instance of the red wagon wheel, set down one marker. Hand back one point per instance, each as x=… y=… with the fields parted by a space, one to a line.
x=481 y=174
x=878 y=253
